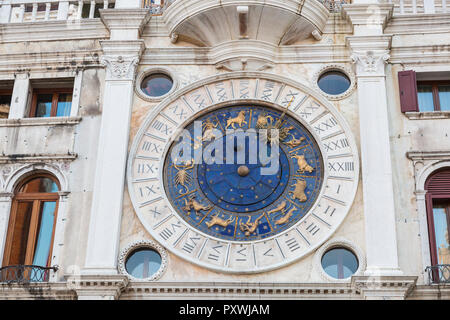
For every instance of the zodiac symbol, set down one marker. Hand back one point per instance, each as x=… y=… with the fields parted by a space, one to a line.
x=262 y=121
x=302 y=164
x=281 y=208
x=240 y=119
x=183 y=177
x=284 y=219
x=299 y=191
x=249 y=227
x=216 y=220
x=193 y=204
x=294 y=142
x=208 y=131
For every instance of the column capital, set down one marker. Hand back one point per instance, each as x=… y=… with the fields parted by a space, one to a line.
x=370 y=54
x=121 y=58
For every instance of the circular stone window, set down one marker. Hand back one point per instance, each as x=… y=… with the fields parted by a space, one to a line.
x=340 y=263
x=156 y=85
x=143 y=263
x=334 y=82
x=143 y=260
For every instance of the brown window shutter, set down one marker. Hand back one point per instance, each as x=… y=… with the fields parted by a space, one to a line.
x=408 y=91
x=439 y=183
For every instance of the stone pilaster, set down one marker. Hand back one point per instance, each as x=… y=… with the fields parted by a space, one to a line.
x=120 y=59
x=5 y=207
x=370 y=55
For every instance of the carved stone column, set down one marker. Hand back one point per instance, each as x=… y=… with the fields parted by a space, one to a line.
x=121 y=56
x=370 y=54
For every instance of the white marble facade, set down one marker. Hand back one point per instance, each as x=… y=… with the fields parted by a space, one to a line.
x=198 y=43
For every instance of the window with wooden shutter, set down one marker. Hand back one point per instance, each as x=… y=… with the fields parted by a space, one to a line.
x=438 y=216
x=408 y=91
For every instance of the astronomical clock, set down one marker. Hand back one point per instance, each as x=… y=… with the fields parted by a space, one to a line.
x=243 y=215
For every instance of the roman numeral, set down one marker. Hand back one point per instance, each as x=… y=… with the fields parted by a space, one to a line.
x=337 y=144
x=149 y=190
x=341 y=166
x=220 y=92
x=329 y=211
x=145 y=168
x=160 y=126
x=325 y=125
x=190 y=244
x=244 y=89
x=312 y=228
x=268 y=90
x=181 y=113
x=199 y=101
x=268 y=253
x=292 y=244
x=150 y=146
x=289 y=97
x=213 y=256
x=167 y=232
x=154 y=211
x=242 y=254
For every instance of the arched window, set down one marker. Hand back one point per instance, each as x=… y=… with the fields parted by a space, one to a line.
x=438 y=212
x=32 y=222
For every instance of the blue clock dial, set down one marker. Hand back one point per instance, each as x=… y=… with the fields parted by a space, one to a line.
x=236 y=200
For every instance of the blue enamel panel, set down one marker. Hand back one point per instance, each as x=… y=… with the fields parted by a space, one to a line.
x=244 y=204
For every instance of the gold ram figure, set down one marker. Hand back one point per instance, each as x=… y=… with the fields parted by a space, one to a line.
x=215 y=220
x=240 y=119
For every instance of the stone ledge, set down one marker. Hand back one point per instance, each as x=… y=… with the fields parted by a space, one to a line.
x=430 y=115
x=39 y=121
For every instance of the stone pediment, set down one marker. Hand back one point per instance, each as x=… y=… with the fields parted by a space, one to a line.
x=211 y=22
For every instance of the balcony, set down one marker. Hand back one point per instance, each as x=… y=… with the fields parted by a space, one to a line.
x=23 y=274
x=438 y=274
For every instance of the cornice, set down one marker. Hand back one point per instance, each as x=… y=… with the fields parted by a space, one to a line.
x=428 y=155
x=15 y=158
x=50 y=121
x=125 y=19
x=428 y=54
x=362 y=14
x=53 y=30
x=419 y=23
x=371 y=42
x=37 y=291
x=250 y=49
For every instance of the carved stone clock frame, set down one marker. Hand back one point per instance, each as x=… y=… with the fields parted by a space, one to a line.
x=320 y=118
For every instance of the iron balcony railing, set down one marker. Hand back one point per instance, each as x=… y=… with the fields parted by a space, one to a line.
x=439 y=273
x=25 y=274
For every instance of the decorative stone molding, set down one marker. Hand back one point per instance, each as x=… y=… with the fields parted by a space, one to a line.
x=335 y=67
x=98 y=287
x=370 y=62
x=125 y=24
x=370 y=15
x=140 y=244
x=238 y=290
x=245 y=65
x=339 y=242
x=119 y=67
x=383 y=287
x=141 y=76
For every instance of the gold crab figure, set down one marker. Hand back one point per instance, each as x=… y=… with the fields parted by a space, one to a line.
x=183 y=177
x=263 y=121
